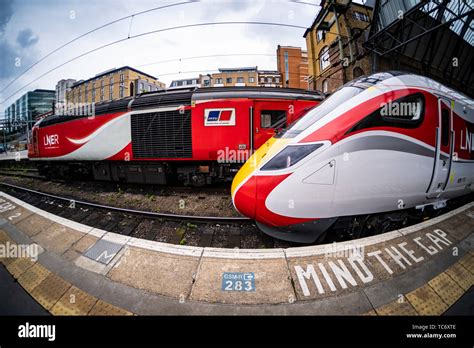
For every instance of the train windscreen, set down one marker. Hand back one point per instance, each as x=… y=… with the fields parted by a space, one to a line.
x=341 y=95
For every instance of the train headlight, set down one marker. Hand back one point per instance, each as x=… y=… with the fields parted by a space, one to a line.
x=290 y=155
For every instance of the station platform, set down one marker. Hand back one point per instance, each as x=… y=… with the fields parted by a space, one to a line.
x=17 y=155
x=81 y=270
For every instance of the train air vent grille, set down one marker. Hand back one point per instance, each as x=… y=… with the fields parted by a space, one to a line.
x=162 y=134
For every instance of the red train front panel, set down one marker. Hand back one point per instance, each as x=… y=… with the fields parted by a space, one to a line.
x=221 y=130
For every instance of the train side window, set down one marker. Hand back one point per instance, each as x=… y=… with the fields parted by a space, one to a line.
x=272 y=118
x=405 y=112
x=445 y=127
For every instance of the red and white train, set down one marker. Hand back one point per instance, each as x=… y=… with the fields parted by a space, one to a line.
x=378 y=148
x=196 y=136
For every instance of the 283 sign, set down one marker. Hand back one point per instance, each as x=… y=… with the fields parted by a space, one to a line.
x=238 y=281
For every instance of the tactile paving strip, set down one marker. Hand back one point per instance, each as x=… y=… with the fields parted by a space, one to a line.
x=426 y=301
x=74 y=302
x=461 y=276
x=446 y=288
x=104 y=308
x=19 y=266
x=396 y=308
x=33 y=277
x=103 y=251
x=50 y=290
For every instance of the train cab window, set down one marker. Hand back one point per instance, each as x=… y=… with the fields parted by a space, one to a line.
x=445 y=129
x=405 y=112
x=272 y=118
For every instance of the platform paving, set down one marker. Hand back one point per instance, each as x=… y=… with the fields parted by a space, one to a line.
x=81 y=270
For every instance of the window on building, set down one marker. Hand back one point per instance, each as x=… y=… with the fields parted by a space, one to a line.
x=320 y=35
x=149 y=88
x=93 y=92
x=240 y=80
x=360 y=16
x=122 y=86
x=252 y=79
x=102 y=90
x=86 y=94
x=228 y=80
x=325 y=86
x=219 y=80
x=272 y=118
x=262 y=80
x=132 y=89
x=324 y=61
x=287 y=68
x=111 y=88
x=357 y=72
x=269 y=80
x=277 y=79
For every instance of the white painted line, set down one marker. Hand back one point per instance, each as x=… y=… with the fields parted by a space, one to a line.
x=324 y=249
x=116 y=238
x=68 y=223
x=96 y=232
x=230 y=253
x=184 y=250
x=428 y=223
x=243 y=253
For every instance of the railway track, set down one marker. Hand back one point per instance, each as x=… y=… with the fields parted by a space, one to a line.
x=204 y=231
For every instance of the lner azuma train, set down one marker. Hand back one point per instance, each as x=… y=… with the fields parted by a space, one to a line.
x=193 y=136
x=378 y=149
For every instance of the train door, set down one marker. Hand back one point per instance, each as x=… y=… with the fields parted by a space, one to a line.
x=268 y=117
x=444 y=149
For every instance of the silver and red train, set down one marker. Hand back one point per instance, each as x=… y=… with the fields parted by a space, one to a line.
x=195 y=136
x=378 y=148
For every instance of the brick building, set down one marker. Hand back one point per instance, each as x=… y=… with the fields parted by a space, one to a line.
x=292 y=63
x=335 y=44
x=112 y=85
x=244 y=76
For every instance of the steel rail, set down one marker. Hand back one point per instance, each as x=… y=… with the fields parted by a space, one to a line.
x=196 y=218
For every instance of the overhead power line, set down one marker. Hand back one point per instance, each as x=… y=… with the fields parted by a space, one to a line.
x=92 y=31
x=149 y=33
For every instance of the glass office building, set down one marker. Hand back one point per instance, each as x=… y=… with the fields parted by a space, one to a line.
x=28 y=107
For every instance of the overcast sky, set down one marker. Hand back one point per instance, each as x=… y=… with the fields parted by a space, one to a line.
x=30 y=29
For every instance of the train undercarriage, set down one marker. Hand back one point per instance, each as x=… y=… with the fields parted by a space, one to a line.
x=155 y=173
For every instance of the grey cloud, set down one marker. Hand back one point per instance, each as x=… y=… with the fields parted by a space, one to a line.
x=6 y=11
x=14 y=59
x=26 y=38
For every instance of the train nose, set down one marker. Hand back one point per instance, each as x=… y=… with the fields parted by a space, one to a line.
x=245 y=198
x=244 y=185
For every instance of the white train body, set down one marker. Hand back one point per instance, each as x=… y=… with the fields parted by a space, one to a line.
x=381 y=143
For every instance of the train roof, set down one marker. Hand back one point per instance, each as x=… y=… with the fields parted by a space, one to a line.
x=256 y=93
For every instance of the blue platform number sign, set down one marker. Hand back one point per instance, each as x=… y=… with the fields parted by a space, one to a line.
x=238 y=281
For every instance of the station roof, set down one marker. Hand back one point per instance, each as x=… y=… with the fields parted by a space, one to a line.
x=437 y=34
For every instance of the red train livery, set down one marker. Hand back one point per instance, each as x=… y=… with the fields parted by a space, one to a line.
x=195 y=136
